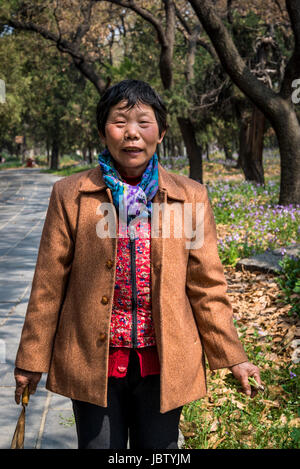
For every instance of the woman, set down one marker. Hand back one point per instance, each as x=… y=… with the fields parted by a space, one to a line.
x=123 y=310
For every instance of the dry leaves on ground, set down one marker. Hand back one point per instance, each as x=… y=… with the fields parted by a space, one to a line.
x=262 y=320
x=254 y=299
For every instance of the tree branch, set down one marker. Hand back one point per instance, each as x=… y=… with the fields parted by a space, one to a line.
x=262 y=96
x=84 y=27
x=64 y=46
x=182 y=20
x=145 y=14
x=209 y=48
x=165 y=37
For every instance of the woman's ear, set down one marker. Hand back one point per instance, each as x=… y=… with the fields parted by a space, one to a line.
x=102 y=137
x=162 y=136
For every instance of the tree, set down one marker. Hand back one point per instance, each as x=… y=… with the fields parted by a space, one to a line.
x=277 y=107
x=48 y=100
x=73 y=29
x=12 y=61
x=87 y=32
x=56 y=22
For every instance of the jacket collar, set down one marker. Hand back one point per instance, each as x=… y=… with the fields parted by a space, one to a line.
x=94 y=182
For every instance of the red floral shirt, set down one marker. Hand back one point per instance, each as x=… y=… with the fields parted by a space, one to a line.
x=121 y=321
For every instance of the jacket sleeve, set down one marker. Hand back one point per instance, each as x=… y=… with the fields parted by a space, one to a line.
x=206 y=290
x=53 y=265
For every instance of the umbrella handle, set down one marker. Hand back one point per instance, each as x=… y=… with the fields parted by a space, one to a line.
x=25 y=396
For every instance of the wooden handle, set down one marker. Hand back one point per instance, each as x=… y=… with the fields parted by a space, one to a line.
x=25 y=396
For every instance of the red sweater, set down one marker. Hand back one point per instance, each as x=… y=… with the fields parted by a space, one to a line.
x=119 y=356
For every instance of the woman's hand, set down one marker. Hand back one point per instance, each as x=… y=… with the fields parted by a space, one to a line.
x=242 y=372
x=24 y=378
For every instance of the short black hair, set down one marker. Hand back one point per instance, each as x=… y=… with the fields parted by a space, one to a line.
x=133 y=91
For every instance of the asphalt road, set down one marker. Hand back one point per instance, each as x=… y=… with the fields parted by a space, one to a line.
x=24 y=198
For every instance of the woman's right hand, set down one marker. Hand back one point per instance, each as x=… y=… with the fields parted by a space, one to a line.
x=24 y=378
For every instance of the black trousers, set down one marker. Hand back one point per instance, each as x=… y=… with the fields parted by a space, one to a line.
x=132 y=412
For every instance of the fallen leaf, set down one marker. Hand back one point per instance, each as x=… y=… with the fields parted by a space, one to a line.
x=283 y=419
x=189 y=434
x=294 y=422
x=216 y=444
x=270 y=403
x=214 y=426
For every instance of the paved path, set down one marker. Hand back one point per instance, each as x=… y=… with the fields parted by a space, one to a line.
x=24 y=198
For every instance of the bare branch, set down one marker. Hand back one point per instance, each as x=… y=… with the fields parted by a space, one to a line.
x=231 y=60
x=64 y=46
x=210 y=98
x=279 y=6
x=166 y=37
x=56 y=18
x=147 y=15
x=208 y=47
x=182 y=20
x=84 y=27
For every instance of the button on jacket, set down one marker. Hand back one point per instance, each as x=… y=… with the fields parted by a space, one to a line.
x=67 y=313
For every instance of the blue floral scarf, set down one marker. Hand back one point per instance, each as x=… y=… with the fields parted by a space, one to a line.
x=134 y=200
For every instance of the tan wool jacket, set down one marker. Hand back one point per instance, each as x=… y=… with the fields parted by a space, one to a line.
x=67 y=326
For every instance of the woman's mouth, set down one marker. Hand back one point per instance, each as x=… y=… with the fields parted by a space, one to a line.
x=132 y=150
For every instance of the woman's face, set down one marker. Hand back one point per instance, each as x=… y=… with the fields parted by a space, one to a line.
x=131 y=136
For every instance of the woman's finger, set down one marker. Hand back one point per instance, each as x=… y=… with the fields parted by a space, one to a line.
x=19 y=391
x=245 y=384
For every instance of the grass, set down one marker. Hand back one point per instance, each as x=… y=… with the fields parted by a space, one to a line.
x=227 y=419
x=248 y=217
x=248 y=220
x=70 y=165
x=67 y=171
x=11 y=164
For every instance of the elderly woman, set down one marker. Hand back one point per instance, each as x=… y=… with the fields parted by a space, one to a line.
x=123 y=309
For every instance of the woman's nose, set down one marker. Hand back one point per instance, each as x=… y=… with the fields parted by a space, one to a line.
x=131 y=131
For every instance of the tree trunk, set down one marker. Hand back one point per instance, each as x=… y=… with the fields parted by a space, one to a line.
x=48 y=151
x=207 y=151
x=90 y=155
x=277 y=107
x=84 y=153
x=164 y=142
x=23 y=149
x=194 y=151
x=168 y=148
x=251 y=146
x=158 y=152
x=228 y=152
x=54 y=153
x=173 y=147
x=288 y=135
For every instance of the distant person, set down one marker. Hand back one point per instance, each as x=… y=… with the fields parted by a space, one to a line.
x=119 y=316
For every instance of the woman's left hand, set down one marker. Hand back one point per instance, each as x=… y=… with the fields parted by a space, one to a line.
x=242 y=372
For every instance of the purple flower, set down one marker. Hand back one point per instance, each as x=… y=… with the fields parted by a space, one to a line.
x=292 y=375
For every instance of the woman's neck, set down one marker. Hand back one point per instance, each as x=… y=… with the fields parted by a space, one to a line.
x=132 y=180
